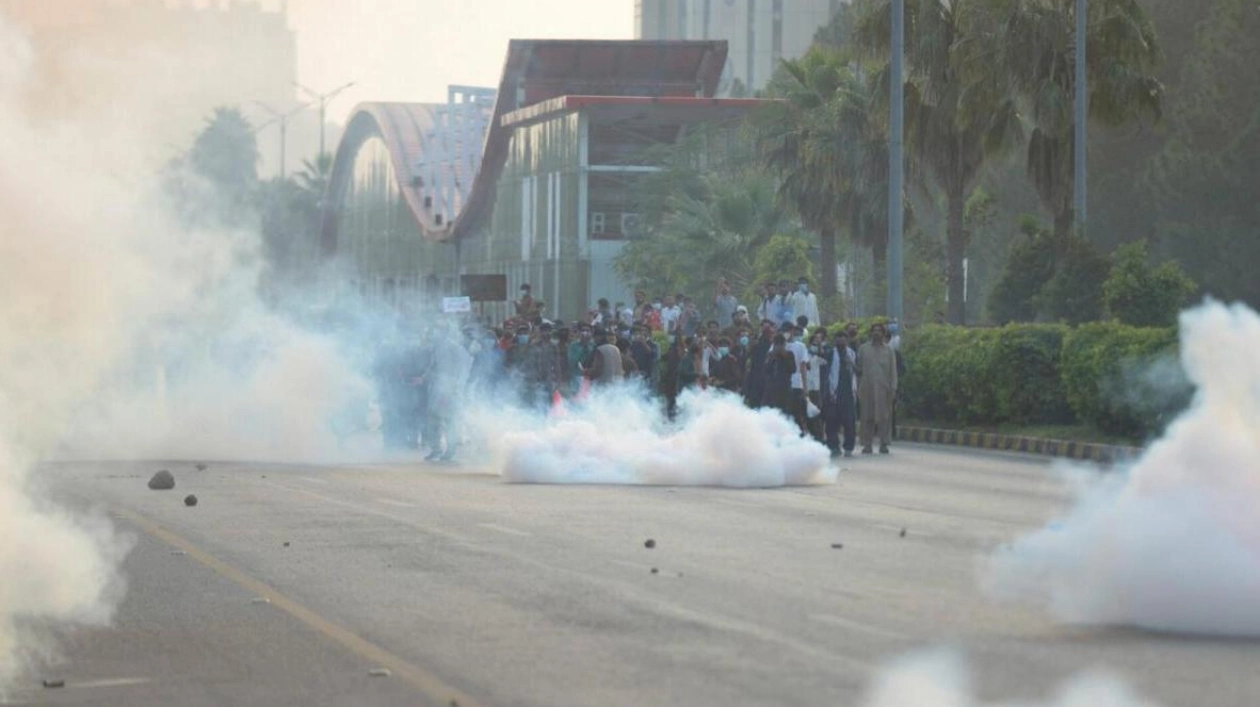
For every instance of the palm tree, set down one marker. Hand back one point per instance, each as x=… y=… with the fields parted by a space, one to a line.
x=822 y=141
x=1035 y=40
x=959 y=113
x=313 y=179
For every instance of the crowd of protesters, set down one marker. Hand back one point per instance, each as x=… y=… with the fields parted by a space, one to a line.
x=776 y=356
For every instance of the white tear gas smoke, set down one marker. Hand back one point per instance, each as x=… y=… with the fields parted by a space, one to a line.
x=123 y=334
x=1172 y=542
x=620 y=436
x=940 y=679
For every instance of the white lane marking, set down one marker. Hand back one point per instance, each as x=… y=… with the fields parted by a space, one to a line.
x=392 y=502
x=505 y=530
x=852 y=625
x=312 y=480
x=113 y=682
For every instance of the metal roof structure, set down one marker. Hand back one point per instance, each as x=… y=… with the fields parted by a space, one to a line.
x=448 y=157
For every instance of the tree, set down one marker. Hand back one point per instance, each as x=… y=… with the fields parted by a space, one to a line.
x=1139 y=295
x=1034 y=40
x=313 y=179
x=1200 y=186
x=215 y=183
x=959 y=112
x=829 y=150
x=1049 y=279
x=784 y=253
x=712 y=228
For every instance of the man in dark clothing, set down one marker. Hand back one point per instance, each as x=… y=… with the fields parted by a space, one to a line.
x=670 y=364
x=543 y=374
x=606 y=367
x=839 y=396
x=645 y=353
x=754 y=383
x=726 y=371
x=780 y=365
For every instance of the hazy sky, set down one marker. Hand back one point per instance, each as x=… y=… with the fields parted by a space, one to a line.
x=410 y=50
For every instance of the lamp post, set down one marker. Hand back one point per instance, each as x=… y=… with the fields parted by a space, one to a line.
x=323 y=99
x=1082 y=118
x=896 y=161
x=283 y=119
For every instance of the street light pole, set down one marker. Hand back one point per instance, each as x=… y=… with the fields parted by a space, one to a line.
x=896 y=161
x=323 y=99
x=283 y=119
x=1082 y=117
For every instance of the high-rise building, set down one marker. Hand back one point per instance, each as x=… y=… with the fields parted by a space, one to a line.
x=760 y=33
x=167 y=66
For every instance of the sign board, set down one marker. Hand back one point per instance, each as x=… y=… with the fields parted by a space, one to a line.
x=484 y=288
x=456 y=305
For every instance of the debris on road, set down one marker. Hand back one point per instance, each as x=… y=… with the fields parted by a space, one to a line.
x=649 y=543
x=260 y=600
x=837 y=546
x=190 y=500
x=178 y=552
x=162 y=481
x=201 y=467
x=903 y=532
x=380 y=672
x=655 y=571
x=286 y=543
x=54 y=683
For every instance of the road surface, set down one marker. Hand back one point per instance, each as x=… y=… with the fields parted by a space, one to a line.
x=289 y=585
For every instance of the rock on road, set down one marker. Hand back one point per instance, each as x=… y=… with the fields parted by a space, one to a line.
x=409 y=584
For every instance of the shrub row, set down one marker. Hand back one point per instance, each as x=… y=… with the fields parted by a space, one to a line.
x=1120 y=379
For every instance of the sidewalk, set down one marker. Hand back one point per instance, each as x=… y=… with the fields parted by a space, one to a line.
x=1086 y=451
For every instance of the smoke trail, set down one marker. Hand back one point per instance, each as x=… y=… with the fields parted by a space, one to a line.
x=619 y=436
x=940 y=679
x=1173 y=542
x=125 y=334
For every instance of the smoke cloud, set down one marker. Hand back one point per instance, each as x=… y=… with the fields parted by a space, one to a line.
x=1171 y=543
x=941 y=679
x=620 y=437
x=125 y=334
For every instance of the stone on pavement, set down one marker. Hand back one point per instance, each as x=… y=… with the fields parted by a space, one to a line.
x=162 y=481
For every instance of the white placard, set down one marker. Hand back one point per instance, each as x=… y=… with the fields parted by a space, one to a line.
x=456 y=305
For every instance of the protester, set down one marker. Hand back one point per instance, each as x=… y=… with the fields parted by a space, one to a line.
x=606 y=366
x=840 y=398
x=724 y=304
x=804 y=303
x=813 y=382
x=726 y=371
x=877 y=387
x=779 y=368
x=800 y=353
x=754 y=386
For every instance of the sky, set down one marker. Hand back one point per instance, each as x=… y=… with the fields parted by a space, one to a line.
x=410 y=50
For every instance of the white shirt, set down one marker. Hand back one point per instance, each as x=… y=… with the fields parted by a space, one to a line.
x=813 y=377
x=805 y=304
x=800 y=353
x=669 y=317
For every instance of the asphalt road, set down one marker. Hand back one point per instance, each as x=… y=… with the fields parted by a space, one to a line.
x=287 y=585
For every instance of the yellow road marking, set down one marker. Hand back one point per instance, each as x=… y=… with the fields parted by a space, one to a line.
x=429 y=684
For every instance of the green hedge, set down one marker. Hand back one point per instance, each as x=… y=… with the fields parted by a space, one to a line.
x=1119 y=379
x=1123 y=379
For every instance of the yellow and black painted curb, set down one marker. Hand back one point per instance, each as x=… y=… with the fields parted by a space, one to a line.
x=1086 y=451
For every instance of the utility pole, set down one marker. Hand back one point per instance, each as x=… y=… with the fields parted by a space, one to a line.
x=283 y=120
x=323 y=99
x=896 y=161
x=1082 y=117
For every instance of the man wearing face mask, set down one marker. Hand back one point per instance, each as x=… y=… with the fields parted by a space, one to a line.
x=804 y=303
x=526 y=306
x=726 y=372
x=784 y=315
